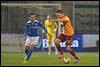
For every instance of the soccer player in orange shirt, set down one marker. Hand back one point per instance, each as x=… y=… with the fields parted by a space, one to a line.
x=65 y=35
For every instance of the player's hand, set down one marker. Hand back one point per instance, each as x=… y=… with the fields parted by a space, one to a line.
x=54 y=30
x=44 y=32
x=49 y=34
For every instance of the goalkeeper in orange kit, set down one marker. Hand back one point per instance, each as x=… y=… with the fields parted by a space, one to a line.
x=51 y=36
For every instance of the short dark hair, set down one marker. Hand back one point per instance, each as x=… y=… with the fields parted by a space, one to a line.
x=59 y=11
x=31 y=14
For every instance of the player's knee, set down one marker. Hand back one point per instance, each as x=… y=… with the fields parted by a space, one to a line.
x=68 y=48
x=49 y=41
x=32 y=46
x=26 y=47
x=31 y=49
x=57 y=41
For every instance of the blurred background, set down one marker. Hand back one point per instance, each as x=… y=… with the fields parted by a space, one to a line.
x=84 y=16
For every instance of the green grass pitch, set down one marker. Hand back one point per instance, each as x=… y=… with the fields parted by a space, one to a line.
x=42 y=59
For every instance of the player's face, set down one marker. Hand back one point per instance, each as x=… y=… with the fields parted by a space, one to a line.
x=59 y=15
x=32 y=17
x=48 y=17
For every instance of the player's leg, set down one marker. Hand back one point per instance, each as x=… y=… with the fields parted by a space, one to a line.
x=33 y=42
x=26 y=50
x=56 y=52
x=30 y=51
x=49 y=47
x=57 y=43
x=53 y=39
x=49 y=44
x=27 y=44
x=68 y=44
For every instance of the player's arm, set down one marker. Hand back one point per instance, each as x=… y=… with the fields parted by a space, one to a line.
x=41 y=25
x=46 y=26
x=55 y=27
x=66 y=19
x=60 y=20
x=55 y=20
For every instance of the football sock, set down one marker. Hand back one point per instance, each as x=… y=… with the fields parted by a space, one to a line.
x=73 y=54
x=29 y=54
x=59 y=49
x=26 y=51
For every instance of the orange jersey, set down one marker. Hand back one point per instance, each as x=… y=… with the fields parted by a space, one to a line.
x=68 y=29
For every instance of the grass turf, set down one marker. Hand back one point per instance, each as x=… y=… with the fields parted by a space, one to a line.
x=42 y=59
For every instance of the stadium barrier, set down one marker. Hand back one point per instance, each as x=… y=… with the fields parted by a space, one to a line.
x=82 y=42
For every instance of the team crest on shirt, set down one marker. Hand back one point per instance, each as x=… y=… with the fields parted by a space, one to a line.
x=36 y=24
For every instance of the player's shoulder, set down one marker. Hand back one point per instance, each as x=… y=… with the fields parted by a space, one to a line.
x=66 y=17
x=29 y=21
x=36 y=21
x=46 y=21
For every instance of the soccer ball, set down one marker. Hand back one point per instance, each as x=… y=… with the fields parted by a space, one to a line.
x=66 y=60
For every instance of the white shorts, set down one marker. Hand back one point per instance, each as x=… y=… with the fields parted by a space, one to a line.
x=31 y=40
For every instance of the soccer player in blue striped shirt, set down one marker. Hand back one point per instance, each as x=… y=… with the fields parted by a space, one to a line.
x=32 y=35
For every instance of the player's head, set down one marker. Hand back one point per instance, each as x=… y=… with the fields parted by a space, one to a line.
x=59 y=13
x=32 y=16
x=48 y=17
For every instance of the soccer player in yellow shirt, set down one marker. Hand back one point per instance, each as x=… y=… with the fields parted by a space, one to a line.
x=51 y=36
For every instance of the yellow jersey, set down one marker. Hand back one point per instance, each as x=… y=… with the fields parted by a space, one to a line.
x=51 y=26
